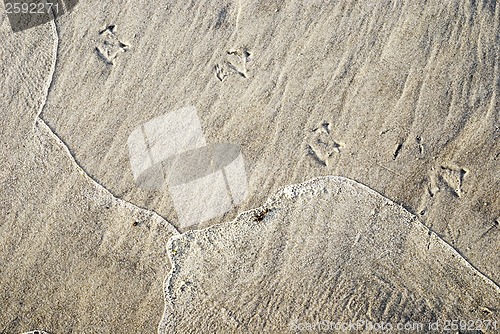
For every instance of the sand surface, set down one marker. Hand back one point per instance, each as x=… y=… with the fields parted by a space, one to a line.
x=73 y=258
x=400 y=96
x=326 y=250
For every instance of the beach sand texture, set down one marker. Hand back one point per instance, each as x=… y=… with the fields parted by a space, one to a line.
x=360 y=257
x=73 y=258
x=400 y=96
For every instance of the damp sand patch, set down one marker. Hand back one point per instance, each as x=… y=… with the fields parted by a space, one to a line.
x=330 y=249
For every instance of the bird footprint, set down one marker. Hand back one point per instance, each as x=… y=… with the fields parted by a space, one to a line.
x=235 y=63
